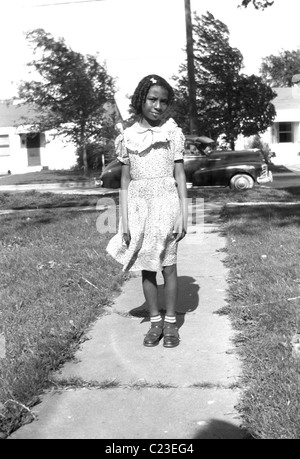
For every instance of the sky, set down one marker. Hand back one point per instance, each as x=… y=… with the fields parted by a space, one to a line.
x=138 y=37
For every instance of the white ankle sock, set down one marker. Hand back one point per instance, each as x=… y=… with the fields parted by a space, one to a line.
x=155 y=319
x=170 y=319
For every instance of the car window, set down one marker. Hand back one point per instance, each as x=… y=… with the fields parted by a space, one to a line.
x=193 y=150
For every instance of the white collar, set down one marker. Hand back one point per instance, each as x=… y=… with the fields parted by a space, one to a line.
x=141 y=135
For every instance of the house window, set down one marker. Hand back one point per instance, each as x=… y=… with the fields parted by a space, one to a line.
x=285 y=131
x=4 y=145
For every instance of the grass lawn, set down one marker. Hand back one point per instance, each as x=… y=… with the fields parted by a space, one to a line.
x=256 y=194
x=264 y=306
x=36 y=200
x=46 y=177
x=55 y=281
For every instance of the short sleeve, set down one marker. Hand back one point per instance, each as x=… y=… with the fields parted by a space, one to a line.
x=177 y=143
x=121 y=150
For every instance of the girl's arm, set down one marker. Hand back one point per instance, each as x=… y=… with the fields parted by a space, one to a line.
x=125 y=180
x=182 y=192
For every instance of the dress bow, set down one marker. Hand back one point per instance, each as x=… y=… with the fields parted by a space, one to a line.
x=142 y=137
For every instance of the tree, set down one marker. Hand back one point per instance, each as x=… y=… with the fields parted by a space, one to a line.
x=228 y=102
x=280 y=70
x=71 y=90
x=258 y=4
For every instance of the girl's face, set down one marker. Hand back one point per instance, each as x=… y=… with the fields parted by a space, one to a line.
x=155 y=105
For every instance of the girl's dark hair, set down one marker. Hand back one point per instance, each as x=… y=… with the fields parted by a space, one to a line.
x=140 y=94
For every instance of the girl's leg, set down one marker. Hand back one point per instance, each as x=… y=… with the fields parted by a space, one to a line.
x=153 y=336
x=150 y=291
x=171 y=289
x=171 y=335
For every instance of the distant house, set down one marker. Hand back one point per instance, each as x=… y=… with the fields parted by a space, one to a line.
x=283 y=136
x=22 y=150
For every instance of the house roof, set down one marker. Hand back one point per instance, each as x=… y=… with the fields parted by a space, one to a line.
x=287 y=104
x=13 y=115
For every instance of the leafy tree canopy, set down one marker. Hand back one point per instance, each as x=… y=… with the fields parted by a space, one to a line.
x=258 y=4
x=281 y=70
x=228 y=102
x=70 y=89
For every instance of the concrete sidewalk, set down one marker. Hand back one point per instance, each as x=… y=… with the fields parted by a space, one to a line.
x=60 y=187
x=128 y=391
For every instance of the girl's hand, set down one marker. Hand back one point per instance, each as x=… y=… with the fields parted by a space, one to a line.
x=179 y=236
x=126 y=238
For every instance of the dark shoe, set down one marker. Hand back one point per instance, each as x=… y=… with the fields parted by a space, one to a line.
x=154 y=335
x=171 y=335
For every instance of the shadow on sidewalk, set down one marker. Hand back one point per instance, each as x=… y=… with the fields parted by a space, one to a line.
x=221 y=430
x=188 y=300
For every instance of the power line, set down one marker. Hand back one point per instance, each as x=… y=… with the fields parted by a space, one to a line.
x=67 y=3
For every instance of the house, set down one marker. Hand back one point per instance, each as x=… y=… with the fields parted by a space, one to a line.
x=283 y=137
x=22 y=150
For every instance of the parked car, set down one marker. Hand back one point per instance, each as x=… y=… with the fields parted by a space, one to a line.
x=239 y=169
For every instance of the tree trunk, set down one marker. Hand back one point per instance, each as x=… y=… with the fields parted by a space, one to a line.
x=84 y=158
x=84 y=150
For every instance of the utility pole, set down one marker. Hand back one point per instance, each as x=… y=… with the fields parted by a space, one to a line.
x=191 y=70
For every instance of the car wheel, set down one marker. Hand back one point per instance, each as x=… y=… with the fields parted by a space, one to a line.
x=241 y=182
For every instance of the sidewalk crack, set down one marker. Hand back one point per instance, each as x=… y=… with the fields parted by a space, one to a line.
x=78 y=383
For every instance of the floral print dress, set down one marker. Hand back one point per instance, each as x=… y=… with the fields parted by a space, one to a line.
x=153 y=201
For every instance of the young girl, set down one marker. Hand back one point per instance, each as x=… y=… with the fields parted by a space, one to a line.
x=153 y=202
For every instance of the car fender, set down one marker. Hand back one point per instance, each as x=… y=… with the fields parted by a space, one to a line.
x=242 y=169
